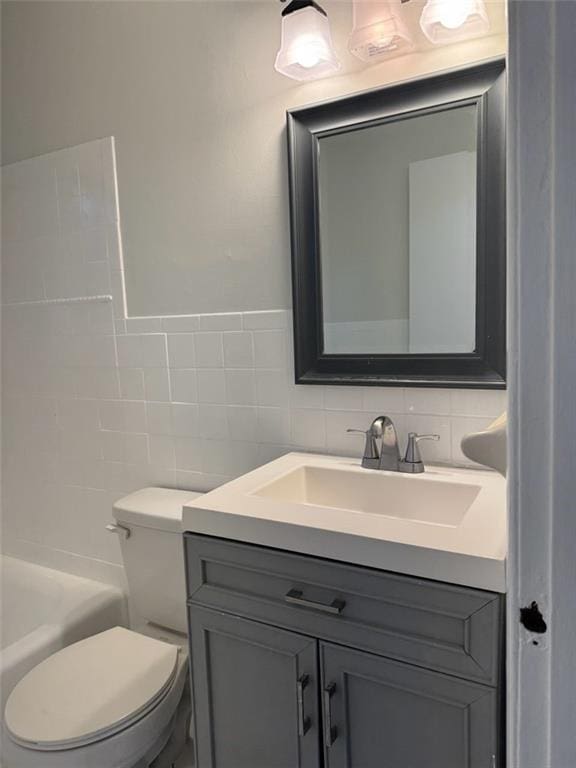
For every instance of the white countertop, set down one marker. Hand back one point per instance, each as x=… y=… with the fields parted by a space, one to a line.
x=471 y=552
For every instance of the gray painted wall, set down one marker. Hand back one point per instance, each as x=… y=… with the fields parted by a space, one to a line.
x=190 y=93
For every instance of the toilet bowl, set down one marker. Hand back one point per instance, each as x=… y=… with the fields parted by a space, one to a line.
x=116 y=699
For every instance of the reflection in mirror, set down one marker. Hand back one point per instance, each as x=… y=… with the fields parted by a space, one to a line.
x=397 y=213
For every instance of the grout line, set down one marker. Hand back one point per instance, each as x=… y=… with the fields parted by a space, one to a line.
x=103 y=299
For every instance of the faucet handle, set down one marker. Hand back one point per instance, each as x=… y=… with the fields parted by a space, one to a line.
x=412 y=450
x=371 y=447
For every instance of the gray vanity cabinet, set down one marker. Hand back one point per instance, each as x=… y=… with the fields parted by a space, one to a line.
x=378 y=713
x=301 y=662
x=255 y=694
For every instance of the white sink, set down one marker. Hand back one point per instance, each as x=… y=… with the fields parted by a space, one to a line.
x=375 y=493
x=447 y=524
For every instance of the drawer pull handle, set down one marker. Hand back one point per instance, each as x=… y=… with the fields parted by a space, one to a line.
x=303 y=721
x=295 y=597
x=330 y=731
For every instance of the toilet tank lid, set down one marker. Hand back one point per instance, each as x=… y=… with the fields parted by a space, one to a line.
x=159 y=508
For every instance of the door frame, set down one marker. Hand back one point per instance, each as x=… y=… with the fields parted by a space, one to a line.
x=542 y=365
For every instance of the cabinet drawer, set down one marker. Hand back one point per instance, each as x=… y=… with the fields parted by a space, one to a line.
x=440 y=626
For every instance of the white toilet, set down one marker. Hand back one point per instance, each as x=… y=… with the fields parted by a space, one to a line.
x=118 y=699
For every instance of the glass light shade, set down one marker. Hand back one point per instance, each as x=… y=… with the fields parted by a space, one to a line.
x=306 y=52
x=378 y=31
x=448 y=21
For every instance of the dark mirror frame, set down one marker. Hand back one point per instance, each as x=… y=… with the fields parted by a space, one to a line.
x=482 y=85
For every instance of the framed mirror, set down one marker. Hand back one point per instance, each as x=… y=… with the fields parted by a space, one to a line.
x=398 y=234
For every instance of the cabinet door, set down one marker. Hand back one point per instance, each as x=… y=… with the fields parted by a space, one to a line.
x=379 y=713
x=255 y=694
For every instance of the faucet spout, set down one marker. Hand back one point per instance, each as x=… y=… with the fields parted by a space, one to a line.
x=389 y=451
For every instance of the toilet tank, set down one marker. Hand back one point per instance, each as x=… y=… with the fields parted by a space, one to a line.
x=149 y=523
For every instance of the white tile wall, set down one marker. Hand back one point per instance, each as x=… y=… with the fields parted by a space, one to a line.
x=97 y=405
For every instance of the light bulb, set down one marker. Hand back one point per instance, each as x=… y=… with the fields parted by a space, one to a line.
x=453 y=13
x=383 y=42
x=449 y=21
x=306 y=53
x=382 y=37
x=307 y=58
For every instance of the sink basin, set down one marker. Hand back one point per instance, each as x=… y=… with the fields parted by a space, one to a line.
x=376 y=493
x=447 y=523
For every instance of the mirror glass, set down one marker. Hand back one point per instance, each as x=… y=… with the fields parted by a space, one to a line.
x=397 y=226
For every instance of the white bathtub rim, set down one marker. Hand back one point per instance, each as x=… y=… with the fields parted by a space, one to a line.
x=67 y=594
x=70 y=563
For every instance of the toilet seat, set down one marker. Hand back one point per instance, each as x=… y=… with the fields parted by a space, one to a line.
x=91 y=690
x=136 y=745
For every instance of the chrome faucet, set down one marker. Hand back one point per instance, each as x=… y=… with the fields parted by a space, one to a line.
x=387 y=457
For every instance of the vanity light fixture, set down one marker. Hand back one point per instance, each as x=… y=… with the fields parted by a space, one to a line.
x=449 y=21
x=378 y=31
x=306 y=51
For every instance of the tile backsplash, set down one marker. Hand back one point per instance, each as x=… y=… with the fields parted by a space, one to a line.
x=96 y=404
